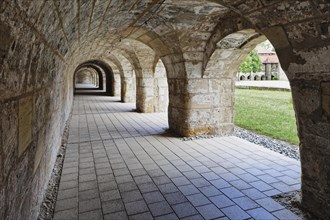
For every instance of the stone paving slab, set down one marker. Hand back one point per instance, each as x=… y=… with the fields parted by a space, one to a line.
x=122 y=165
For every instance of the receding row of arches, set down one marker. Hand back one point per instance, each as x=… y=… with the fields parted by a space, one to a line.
x=137 y=50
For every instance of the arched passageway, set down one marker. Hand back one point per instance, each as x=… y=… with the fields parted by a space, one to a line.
x=43 y=43
x=94 y=77
x=88 y=78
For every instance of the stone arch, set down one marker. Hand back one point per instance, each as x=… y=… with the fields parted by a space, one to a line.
x=99 y=72
x=117 y=73
x=128 y=85
x=218 y=78
x=257 y=77
x=87 y=76
x=143 y=59
x=160 y=88
x=102 y=68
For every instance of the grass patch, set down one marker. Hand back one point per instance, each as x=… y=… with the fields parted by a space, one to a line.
x=266 y=112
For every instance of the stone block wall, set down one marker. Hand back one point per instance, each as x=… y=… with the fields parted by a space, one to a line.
x=34 y=105
x=310 y=84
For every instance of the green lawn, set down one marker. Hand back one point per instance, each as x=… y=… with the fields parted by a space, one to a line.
x=266 y=112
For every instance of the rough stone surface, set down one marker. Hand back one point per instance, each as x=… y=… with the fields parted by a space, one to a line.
x=200 y=43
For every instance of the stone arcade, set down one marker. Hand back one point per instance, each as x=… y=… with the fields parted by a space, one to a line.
x=200 y=43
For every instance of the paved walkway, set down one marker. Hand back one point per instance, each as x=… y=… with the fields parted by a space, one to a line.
x=273 y=84
x=123 y=165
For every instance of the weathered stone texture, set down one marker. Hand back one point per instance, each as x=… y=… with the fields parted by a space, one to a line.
x=200 y=44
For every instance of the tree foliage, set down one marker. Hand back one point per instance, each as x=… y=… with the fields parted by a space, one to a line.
x=252 y=63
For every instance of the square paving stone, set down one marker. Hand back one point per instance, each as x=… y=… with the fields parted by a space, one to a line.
x=232 y=192
x=160 y=208
x=107 y=186
x=210 y=176
x=184 y=209
x=89 y=205
x=68 y=184
x=221 y=201
x=131 y=196
x=69 y=177
x=235 y=212
x=229 y=176
x=268 y=179
x=192 y=174
x=117 y=215
x=285 y=214
x=193 y=217
x=66 y=204
x=124 y=179
x=103 y=171
x=69 y=214
x=282 y=187
x=272 y=192
x=202 y=169
x=121 y=172
x=156 y=172
x=86 y=171
x=240 y=184
x=198 y=199
x=171 y=216
x=159 y=180
x=253 y=193
x=269 y=204
x=153 y=197
x=142 y=179
x=210 y=211
x=261 y=186
x=260 y=213
x=96 y=214
x=126 y=187
x=112 y=206
x=220 y=183
x=147 y=187
x=136 y=207
x=110 y=195
x=88 y=194
x=87 y=185
x=142 y=216
x=248 y=177
x=175 y=198
x=180 y=181
x=67 y=193
x=200 y=182
x=87 y=177
x=138 y=172
x=168 y=188
x=188 y=189
x=105 y=178
x=246 y=203
x=210 y=191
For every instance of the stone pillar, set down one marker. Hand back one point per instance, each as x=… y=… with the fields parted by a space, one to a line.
x=128 y=88
x=268 y=71
x=145 y=93
x=161 y=94
x=310 y=86
x=199 y=104
x=312 y=105
x=116 y=84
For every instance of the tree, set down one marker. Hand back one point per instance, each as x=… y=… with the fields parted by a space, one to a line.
x=251 y=64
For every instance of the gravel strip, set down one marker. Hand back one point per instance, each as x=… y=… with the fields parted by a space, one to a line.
x=281 y=147
x=47 y=207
